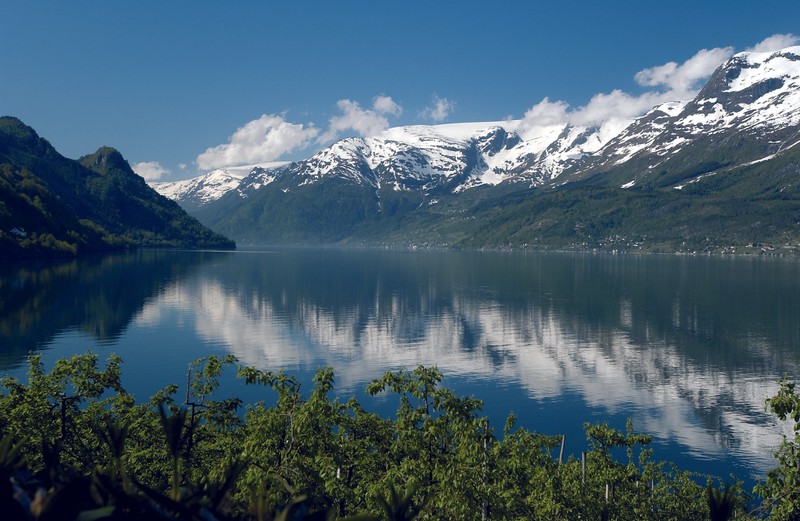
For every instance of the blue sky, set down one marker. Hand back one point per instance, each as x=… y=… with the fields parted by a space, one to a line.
x=182 y=87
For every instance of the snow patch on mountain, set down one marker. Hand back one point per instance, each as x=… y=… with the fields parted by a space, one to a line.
x=765 y=66
x=468 y=130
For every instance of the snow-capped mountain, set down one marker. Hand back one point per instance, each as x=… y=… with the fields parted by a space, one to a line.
x=751 y=91
x=424 y=159
x=747 y=114
x=751 y=103
x=194 y=193
x=756 y=93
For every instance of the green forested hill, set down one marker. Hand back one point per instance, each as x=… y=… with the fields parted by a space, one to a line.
x=51 y=205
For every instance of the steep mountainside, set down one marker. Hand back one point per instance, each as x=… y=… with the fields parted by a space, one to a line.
x=718 y=172
x=51 y=205
x=748 y=111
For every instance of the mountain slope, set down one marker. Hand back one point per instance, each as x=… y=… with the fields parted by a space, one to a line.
x=51 y=205
x=194 y=193
x=749 y=110
x=709 y=174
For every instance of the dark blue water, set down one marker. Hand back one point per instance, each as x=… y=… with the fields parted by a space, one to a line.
x=687 y=347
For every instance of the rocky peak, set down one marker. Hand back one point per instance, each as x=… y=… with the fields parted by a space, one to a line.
x=494 y=139
x=746 y=78
x=105 y=160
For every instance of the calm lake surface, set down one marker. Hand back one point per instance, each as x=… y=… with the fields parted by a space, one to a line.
x=687 y=347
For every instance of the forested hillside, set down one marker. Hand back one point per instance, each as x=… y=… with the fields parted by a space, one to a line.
x=51 y=205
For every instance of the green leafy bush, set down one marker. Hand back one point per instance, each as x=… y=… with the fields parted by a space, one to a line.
x=75 y=445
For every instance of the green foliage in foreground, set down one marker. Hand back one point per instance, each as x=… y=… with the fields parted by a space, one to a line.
x=75 y=445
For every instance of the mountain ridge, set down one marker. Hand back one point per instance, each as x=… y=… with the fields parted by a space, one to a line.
x=743 y=120
x=54 y=206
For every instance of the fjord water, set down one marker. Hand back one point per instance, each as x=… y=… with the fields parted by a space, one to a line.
x=687 y=347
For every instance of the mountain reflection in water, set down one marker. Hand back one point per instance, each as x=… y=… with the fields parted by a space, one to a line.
x=689 y=347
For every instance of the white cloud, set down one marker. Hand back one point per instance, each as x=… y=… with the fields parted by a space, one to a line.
x=546 y=113
x=439 y=111
x=668 y=82
x=685 y=78
x=617 y=104
x=386 y=105
x=776 y=42
x=259 y=141
x=150 y=170
x=364 y=122
x=182 y=166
